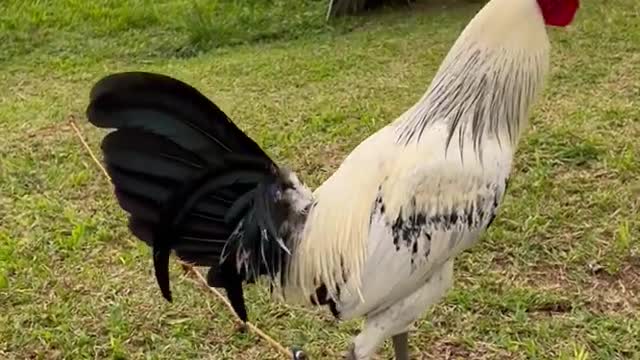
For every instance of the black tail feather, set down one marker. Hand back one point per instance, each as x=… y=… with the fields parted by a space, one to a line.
x=191 y=181
x=167 y=107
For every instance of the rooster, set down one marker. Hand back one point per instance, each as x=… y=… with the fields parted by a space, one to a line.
x=378 y=238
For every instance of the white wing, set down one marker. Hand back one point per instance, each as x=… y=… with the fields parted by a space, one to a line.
x=428 y=209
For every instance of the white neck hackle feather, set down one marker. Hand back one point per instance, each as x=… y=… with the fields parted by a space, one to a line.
x=495 y=69
x=489 y=79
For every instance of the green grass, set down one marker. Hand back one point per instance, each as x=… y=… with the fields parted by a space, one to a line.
x=557 y=277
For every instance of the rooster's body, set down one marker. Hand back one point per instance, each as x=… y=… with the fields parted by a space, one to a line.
x=379 y=237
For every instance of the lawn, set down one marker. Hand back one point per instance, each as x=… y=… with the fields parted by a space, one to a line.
x=557 y=277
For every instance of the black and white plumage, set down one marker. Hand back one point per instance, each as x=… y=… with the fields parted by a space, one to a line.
x=378 y=238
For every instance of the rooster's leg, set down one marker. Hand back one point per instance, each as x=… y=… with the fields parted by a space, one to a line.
x=396 y=320
x=401 y=346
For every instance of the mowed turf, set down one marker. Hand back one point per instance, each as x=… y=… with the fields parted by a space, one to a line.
x=556 y=277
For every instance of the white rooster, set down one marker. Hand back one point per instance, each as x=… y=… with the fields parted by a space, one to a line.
x=379 y=237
